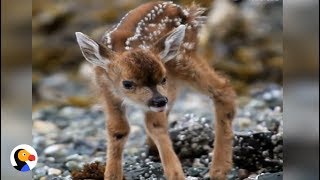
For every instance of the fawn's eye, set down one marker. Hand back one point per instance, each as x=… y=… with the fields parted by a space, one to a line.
x=128 y=84
x=164 y=80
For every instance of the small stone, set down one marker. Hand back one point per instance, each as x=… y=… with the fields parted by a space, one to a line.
x=40 y=171
x=267 y=96
x=277 y=109
x=191 y=178
x=273 y=176
x=75 y=157
x=56 y=149
x=44 y=127
x=144 y=155
x=243 y=173
x=243 y=122
x=51 y=159
x=197 y=163
x=72 y=165
x=53 y=171
x=71 y=112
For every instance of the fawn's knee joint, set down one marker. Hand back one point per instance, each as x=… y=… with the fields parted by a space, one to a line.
x=155 y=125
x=119 y=136
x=230 y=115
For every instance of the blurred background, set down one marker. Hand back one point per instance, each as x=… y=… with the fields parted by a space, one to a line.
x=43 y=72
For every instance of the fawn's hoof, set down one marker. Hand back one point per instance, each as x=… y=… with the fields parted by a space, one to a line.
x=219 y=173
x=176 y=176
x=110 y=176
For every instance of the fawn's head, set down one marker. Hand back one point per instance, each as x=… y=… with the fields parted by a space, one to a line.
x=136 y=75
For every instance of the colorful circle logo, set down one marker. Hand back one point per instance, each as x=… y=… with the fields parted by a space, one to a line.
x=23 y=158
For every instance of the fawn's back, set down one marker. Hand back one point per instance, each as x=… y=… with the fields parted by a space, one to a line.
x=145 y=25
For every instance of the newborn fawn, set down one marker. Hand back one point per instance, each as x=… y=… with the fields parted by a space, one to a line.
x=144 y=60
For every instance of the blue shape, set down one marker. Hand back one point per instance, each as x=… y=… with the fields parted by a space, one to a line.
x=25 y=168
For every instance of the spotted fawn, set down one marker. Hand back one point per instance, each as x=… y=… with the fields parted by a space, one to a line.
x=144 y=60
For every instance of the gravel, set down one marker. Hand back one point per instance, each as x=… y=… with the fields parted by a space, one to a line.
x=66 y=138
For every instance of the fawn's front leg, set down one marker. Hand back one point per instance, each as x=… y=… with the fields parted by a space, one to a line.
x=117 y=128
x=117 y=131
x=157 y=128
x=198 y=74
x=173 y=90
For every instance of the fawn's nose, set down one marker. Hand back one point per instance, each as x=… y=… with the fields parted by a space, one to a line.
x=159 y=101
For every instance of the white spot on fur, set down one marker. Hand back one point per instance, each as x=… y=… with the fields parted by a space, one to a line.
x=188 y=45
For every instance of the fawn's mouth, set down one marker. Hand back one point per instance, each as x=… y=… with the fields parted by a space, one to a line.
x=158 y=109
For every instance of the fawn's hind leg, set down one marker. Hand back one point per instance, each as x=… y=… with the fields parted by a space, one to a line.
x=201 y=76
x=157 y=128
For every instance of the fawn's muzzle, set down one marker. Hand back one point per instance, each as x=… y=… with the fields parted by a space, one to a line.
x=159 y=101
x=158 y=104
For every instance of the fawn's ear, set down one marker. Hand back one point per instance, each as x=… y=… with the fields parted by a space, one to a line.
x=96 y=53
x=168 y=46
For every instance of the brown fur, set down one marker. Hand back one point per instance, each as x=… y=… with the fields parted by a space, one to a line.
x=146 y=69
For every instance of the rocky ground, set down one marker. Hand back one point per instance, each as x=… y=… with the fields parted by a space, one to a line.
x=67 y=138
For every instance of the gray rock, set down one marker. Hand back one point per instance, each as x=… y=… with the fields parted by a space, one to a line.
x=72 y=165
x=56 y=150
x=41 y=171
x=74 y=157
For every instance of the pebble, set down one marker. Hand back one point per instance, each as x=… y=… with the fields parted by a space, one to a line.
x=72 y=165
x=44 y=127
x=243 y=173
x=75 y=157
x=53 y=171
x=71 y=112
x=40 y=171
x=56 y=149
x=243 y=122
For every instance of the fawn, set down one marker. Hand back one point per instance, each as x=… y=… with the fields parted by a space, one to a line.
x=144 y=60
